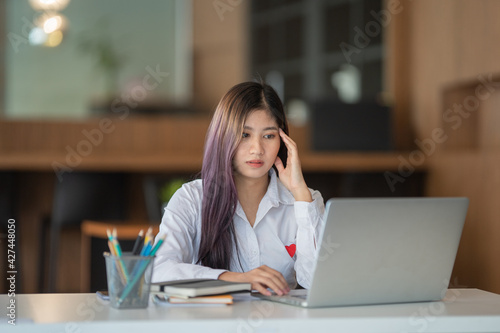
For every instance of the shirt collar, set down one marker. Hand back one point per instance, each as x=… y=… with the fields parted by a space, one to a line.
x=277 y=193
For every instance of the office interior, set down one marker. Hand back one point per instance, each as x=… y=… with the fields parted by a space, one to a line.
x=384 y=98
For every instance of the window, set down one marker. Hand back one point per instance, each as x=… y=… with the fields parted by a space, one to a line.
x=309 y=42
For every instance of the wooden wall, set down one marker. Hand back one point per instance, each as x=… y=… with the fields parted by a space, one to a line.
x=220 y=49
x=452 y=44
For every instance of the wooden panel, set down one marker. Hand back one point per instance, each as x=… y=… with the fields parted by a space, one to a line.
x=451 y=46
x=134 y=135
x=166 y=144
x=476 y=264
x=397 y=74
x=220 y=48
x=460 y=125
x=489 y=121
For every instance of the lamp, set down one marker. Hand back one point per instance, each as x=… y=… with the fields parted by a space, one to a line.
x=49 y=24
x=48 y=5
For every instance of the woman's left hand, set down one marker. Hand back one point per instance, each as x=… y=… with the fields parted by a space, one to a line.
x=291 y=176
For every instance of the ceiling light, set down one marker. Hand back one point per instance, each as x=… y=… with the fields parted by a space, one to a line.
x=43 y=5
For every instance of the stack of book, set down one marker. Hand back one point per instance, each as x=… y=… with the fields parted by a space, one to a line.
x=197 y=291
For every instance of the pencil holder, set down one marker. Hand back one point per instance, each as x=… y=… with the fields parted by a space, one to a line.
x=129 y=280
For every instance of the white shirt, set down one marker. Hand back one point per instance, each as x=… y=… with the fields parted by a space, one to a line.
x=284 y=235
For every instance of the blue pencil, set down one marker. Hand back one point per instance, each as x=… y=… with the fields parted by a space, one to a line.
x=157 y=246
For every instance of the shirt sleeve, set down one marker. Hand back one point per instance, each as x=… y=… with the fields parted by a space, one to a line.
x=309 y=218
x=176 y=258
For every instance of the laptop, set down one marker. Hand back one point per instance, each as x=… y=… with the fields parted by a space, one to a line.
x=383 y=250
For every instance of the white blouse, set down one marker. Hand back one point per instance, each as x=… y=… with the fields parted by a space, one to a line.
x=284 y=235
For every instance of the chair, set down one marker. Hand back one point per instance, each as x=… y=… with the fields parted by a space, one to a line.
x=80 y=196
x=97 y=229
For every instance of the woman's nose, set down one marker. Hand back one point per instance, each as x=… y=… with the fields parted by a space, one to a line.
x=256 y=147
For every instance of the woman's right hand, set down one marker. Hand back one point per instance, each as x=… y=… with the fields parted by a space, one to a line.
x=261 y=278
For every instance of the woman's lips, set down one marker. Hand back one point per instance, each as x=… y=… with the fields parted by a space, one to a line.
x=255 y=163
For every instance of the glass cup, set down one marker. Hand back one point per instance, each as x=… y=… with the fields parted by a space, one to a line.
x=129 y=280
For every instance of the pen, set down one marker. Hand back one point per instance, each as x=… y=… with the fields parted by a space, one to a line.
x=138 y=243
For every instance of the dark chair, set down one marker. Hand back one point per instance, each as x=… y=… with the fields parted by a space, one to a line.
x=83 y=196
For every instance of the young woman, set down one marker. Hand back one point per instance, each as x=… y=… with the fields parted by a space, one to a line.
x=240 y=222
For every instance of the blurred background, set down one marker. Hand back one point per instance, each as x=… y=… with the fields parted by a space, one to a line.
x=104 y=107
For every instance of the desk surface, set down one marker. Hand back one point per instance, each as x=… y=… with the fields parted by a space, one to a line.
x=462 y=310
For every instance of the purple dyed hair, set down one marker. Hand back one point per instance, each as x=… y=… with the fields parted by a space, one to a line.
x=219 y=190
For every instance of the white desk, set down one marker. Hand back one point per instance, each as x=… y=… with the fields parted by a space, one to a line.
x=463 y=310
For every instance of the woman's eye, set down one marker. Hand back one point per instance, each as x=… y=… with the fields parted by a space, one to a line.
x=269 y=136
x=245 y=135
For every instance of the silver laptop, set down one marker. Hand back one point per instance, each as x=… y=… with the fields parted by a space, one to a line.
x=384 y=250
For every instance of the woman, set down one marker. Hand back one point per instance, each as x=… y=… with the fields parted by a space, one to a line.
x=239 y=222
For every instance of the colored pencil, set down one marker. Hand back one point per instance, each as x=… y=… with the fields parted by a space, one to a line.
x=137 y=275
x=138 y=241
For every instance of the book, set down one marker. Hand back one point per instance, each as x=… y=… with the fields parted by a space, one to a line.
x=198 y=287
x=215 y=299
x=162 y=300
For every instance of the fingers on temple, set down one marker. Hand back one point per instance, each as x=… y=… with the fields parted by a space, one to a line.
x=289 y=143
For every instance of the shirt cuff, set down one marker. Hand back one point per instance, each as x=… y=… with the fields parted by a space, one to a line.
x=306 y=212
x=212 y=274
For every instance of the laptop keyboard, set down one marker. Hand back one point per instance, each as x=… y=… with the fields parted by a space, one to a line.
x=293 y=294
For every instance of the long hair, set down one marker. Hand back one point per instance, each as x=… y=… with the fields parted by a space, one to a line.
x=219 y=190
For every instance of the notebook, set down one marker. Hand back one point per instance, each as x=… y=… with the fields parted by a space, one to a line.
x=198 y=287
x=383 y=250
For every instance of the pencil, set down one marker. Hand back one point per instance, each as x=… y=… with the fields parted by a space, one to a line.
x=119 y=266
x=111 y=248
x=118 y=253
x=148 y=236
x=157 y=246
x=138 y=274
x=138 y=242
x=146 y=249
x=117 y=245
